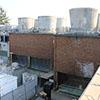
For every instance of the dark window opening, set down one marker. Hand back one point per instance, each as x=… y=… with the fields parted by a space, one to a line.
x=1 y=38
x=22 y=60
x=6 y=38
x=40 y=64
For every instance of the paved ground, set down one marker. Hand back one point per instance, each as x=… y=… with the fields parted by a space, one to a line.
x=58 y=96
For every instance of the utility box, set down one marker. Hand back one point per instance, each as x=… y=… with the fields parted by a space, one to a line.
x=29 y=77
x=8 y=83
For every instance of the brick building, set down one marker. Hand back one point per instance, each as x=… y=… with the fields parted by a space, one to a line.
x=34 y=51
x=73 y=51
x=61 y=53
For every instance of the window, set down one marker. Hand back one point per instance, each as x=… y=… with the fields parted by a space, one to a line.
x=6 y=38
x=22 y=60
x=4 y=53
x=1 y=38
x=40 y=64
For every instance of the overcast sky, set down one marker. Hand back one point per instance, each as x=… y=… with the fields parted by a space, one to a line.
x=34 y=8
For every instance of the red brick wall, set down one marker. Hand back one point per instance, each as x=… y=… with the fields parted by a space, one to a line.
x=35 y=45
x=66 y=50
x=69 y=50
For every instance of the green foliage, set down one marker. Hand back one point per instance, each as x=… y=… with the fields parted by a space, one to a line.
x=3 y=18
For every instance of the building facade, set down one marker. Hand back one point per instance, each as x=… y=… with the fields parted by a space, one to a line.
x=64 y=54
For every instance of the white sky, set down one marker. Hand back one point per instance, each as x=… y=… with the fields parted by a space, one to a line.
x=34 y=8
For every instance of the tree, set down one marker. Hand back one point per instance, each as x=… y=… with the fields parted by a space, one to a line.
x=3 y=18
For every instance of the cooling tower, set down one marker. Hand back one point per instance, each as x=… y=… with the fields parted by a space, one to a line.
x=25 y=23
x=98 y=23
x=61 y=25
x=83 y=19
x=36 y=24
x=47 y=24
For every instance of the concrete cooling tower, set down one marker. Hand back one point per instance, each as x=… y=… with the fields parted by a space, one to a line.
x=25 y=23
x=98 y=23
x=47 y=24
x=83 y=19
x=61 y=25
x=36 y=24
